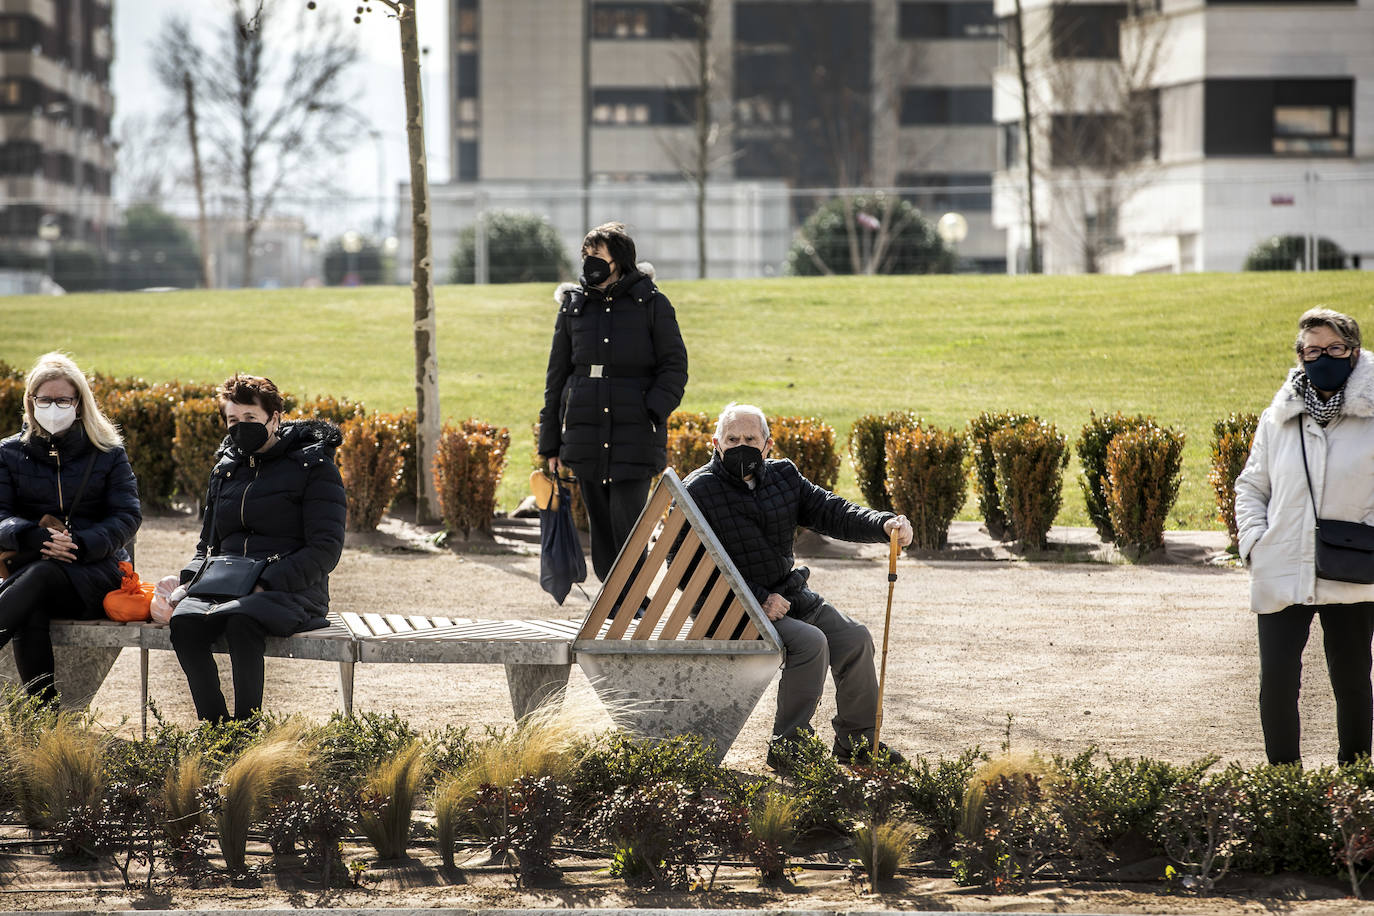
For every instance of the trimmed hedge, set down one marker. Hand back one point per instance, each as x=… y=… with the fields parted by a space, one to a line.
x=467 y=470
x=925 y=475
x=146 y=418
x=1232 y=437
x=1144 y=469
x=336 y=410
x=11 y=405
x=868 y=453
x=689 y=440
x=1097 y=434
x=810 y=444
x=199 y=432
x=1031 y=458
x=980 y=431
x=370 y=460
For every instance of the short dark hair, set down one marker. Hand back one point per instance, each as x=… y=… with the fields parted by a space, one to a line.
x=617 y=241
x=1343 y=326
x=249 y=389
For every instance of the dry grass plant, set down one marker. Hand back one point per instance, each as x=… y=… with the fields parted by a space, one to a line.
x=181 y=798
x=63 y=770
x=549 y=742
x=772 y=825
x=893 y=846
x=389 y=795
x=1010 y=763
x=280 y=760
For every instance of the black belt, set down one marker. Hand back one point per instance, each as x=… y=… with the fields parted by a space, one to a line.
x=599 y=371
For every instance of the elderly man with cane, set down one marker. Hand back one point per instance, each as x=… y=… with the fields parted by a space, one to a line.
x=754 y=506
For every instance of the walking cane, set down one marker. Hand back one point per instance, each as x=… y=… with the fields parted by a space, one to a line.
x=894 y=547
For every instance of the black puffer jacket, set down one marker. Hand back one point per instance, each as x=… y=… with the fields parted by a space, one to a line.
x=756 y=526
x=287 y=503
x=103 y=522
x=612 y=428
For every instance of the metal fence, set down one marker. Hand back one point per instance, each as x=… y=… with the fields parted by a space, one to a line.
x=1181 y=220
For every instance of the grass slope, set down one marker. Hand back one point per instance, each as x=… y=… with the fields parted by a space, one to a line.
x=1187 y=349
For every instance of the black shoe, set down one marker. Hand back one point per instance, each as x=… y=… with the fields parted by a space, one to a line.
x=861 y=756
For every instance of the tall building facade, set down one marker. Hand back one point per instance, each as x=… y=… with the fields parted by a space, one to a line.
x=1177 y=135
x=804 y=95
x=56 y=154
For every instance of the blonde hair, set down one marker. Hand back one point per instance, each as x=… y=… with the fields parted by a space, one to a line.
x=733 y=411
x=51 y=366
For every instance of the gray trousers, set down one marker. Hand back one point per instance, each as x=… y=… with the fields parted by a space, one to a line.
x=829 y=640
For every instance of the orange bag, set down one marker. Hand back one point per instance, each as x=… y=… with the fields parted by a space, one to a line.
x=130 y=602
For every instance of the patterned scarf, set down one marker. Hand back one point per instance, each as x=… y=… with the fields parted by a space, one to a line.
x=1321 y=411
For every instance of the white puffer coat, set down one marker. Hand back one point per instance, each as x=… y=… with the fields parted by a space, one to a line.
x=1274 y=513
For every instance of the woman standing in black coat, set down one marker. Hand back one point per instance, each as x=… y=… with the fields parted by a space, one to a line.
x=275 y=495
x=617 y=369
x=67 y=462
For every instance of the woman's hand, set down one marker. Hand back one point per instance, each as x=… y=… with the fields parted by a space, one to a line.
x=554 y=465
x=177 y=594
x=60 y=546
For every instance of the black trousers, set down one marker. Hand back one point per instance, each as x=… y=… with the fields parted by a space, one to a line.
x=31 y=598
x=192 y=638
x=1347 y=631
x=612 y=510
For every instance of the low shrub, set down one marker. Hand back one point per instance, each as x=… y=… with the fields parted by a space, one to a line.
x=656 y=833
x=809 y=443
x=689 y=440
x=348 y=748
x=1012 y=823
x=336 y=410
x=617 y=760
x=467 y=470
x=1351 y=812
x=925 y=478
x=868 y=453
x=1030 y=466
x=197 y=437
x=370 y=459
x=1231 y=440
x=1097 y=434
x=146 y=418
x=1293 y=829
x=64 y=769
x=1203 y=824
x=990 y=501
x=934 y=795
x=532 y=811
x=11 y=405
x=407 y=487
x=1144 y=469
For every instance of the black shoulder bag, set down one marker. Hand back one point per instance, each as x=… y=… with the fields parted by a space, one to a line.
x=1345 y=550
x=220 y=577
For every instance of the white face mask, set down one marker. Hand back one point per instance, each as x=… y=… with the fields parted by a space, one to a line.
x=55 y=419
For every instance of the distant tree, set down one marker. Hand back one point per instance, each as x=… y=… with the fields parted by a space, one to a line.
x=892 y=238
x=521 y=248
x=153 y=249
x=370 y=264
x=1289 y=252
x=177 y=63
x=279 y=95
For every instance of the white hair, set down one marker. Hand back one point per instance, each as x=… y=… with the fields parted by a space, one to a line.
x=733 y=412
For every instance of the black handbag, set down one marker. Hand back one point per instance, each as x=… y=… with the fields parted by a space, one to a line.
x=224 y=577
x=1345 y=550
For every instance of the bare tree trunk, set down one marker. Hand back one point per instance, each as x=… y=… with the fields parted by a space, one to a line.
x=422 y=276
x=1030 y=139
x=198 y=174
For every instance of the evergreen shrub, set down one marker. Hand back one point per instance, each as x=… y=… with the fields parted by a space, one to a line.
x=146 y=417
x=980 y=430
x=197 y=435
x=1144 y=469
x=1232 y=437
x=1097 y=434
x=370 y=459
x=1030 y=466
x=868 y=453
x=689 y=440
x=467 y=470
x=925 y=478
x=809 y=443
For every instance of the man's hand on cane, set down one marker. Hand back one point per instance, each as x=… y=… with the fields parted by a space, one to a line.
x=902 y=525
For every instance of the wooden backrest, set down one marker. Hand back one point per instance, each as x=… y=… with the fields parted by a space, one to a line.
x=696 y=594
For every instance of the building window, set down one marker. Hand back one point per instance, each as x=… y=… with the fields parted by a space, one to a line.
x=20 y=157
x=1279 y=117
x=1083 y=31
x=18 y=32
x=467 y=75
x=18 y=94
x=467 y=160
x=946 y=106
x=1143 y=114
x=947 y=20
x=938 y=192
x=1010 y=145
x=646 y=20
x=642 y=107
x=1087 y=140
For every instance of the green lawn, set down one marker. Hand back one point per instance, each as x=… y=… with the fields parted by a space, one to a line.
x=1187 y=349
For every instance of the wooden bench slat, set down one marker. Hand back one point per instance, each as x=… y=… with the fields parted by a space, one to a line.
x=730 y=620
x=685 y=601
x=634 y=546
x=377 y=624
x=634 y=598
x=715 y=603
x=441 y=621
x=398 y=623
x=418 y=622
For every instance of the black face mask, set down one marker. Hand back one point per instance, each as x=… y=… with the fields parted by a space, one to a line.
x=1328 y=373
x=742 y=460
x=595 y=271
x=248 y=437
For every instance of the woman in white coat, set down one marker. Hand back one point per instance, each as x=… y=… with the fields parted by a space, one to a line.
x=1327 y=406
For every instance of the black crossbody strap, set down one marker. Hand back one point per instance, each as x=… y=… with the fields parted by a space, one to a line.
x=80 y=491
x=1302 y=441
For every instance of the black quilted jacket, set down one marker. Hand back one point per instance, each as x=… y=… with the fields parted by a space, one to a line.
x=287 y=503
x=756 y=527
x=102 y=523
x=612 y=428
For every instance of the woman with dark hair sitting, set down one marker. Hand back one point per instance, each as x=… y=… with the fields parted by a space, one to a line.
x=68 y=508
x=275 y=495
